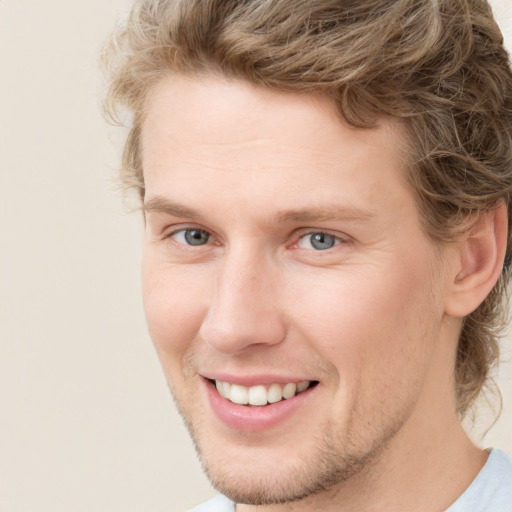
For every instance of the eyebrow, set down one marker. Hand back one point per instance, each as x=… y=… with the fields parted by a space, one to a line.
x=325 y=213
x=159 y=204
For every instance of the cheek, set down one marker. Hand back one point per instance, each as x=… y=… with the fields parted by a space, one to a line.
x=173 y=304
x=373 y=321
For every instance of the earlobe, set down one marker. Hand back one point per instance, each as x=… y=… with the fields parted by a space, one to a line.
x=478 y=262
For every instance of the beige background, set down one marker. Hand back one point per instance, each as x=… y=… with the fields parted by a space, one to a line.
x=86 y=421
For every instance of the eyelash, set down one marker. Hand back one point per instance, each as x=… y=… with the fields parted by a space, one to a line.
x=320 y=239
x=337 y=240
x=173 y=234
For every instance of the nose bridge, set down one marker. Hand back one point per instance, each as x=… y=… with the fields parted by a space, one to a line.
x=243 y=308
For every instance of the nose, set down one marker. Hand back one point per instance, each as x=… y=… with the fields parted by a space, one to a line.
x=243 y=309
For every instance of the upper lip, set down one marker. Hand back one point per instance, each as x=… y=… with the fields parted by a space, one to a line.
x=253 y=380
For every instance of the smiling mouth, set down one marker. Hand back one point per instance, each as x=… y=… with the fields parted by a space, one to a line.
x=261 y=395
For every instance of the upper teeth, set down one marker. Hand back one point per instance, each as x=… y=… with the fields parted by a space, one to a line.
x=261 y=394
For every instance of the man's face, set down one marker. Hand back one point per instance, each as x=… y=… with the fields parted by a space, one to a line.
x=284 y=249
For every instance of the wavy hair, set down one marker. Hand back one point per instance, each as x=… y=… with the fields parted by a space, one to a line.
x=439 y=65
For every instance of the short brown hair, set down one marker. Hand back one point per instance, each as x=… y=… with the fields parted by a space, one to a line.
x=439 y=65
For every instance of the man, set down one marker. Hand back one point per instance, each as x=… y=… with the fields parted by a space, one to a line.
x=326 y=194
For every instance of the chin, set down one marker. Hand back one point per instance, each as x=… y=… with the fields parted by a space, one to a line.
x=291 y=463
x=257 y=475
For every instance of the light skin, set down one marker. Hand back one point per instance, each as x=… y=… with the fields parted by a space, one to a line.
x=371 y=315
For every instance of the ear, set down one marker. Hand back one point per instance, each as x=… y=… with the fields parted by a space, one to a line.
x=478 y=262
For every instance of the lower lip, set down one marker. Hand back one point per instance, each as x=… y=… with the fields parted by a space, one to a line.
x=254 y=419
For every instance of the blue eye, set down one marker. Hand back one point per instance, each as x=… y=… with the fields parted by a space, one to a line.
x=191 y=236
x=318 y=241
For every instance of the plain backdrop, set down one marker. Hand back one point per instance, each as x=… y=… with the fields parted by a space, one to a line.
x=86 y=421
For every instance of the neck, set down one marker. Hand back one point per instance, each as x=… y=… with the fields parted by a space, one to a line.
x=425 y=467
x=426 y=476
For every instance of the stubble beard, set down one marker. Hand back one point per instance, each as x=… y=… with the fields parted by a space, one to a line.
x=335 y=459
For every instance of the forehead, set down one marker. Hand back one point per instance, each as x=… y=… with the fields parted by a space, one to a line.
x=213 y=110
x=234 y=137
